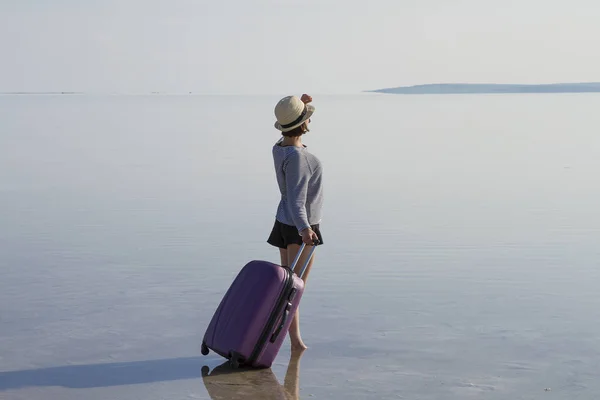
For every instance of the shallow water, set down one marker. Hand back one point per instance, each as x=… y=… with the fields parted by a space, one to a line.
x=460 y=256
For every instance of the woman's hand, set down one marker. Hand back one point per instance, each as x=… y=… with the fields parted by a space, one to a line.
x=309 y=236
x=306 y=98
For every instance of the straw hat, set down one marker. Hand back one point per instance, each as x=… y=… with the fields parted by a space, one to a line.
x=291 y=112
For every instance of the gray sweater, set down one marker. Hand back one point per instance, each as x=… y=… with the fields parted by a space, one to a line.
x=299 y=176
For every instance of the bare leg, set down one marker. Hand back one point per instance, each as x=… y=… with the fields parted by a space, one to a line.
x=292 y=251
x=284 y=257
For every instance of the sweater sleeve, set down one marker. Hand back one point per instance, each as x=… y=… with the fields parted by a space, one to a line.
x=297 y=174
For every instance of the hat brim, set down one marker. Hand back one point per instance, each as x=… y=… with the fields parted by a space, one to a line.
x=310 y=109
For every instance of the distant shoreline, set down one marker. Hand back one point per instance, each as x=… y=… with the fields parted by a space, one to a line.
x=484 y=88
x=433 y=88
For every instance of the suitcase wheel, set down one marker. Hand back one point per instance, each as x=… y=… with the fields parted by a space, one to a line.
x=234 y=360
x=204 y=349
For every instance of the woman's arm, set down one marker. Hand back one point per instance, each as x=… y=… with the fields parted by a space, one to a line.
x=297 y=175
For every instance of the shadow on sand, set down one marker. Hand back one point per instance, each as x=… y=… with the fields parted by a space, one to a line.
x=222 y=382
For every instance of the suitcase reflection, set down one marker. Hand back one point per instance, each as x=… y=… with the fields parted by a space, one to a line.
x=226 y=383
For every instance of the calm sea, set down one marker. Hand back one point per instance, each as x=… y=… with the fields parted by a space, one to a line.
x=461 y=256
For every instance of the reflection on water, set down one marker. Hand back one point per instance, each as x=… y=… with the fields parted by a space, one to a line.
x=223 y=382
x=462 y=259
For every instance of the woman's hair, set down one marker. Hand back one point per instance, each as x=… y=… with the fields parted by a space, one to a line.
x=299 y=131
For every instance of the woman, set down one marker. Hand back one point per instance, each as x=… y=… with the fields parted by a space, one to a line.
x=299 y=176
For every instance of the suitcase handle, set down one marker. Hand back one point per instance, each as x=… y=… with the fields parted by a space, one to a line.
x=286 y=312
x=316 y=241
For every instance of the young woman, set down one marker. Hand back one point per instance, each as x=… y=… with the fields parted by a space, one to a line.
x=299 y=176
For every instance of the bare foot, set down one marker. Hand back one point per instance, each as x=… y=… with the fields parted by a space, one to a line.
x=297 y=352
x=298 y=345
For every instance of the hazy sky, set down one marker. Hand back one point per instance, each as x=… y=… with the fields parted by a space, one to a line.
x=281 y=46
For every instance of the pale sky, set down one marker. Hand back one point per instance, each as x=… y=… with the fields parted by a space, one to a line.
x=287 y=46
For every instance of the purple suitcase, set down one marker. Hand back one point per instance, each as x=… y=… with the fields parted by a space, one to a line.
x=254 y=316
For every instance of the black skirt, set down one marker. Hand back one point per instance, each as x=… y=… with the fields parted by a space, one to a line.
x=282 y=235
